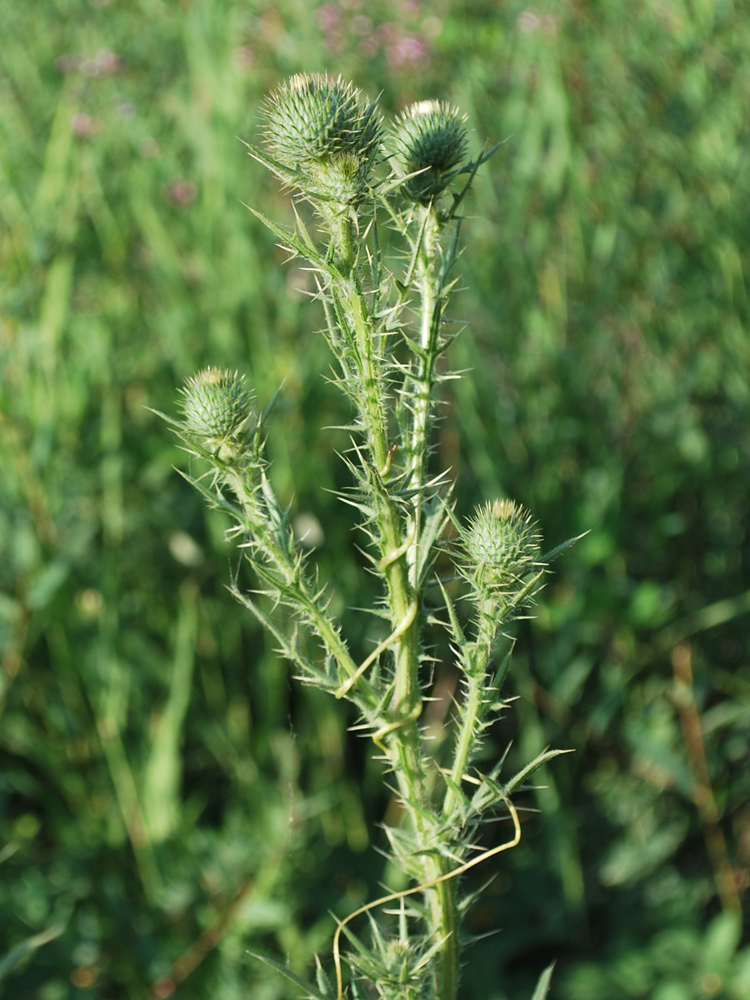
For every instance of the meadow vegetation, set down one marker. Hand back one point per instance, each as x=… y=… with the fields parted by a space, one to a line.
x=168 y=799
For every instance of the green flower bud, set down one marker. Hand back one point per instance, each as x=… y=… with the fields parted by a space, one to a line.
x=430 y=136
x=216 y=405
x=501 y=545
x=325 y=135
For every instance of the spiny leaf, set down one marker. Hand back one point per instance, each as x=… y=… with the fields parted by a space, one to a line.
x=289 y=651
x=291 y=240
x=554 y=553
x=214 y=497
x=456 y=631
x=324 y=983
x=524 y=773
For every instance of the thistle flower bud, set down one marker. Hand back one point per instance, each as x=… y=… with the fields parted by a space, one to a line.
x=324 y=134
x=216 y=405
x=501 y=545
x=430 y=136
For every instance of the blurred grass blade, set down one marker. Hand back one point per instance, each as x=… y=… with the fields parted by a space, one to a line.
x=310 y=991
x=542 y=987
x=27 y=947
x=708 y=617
x=163 y=776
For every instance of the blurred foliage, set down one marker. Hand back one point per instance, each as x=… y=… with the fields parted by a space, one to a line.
x=167 y=798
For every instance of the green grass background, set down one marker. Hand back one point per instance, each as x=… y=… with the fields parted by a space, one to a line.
x=168 y=798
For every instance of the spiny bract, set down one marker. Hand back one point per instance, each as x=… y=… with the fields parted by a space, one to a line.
x=430 y=136
x=501 y=544
x=322 y=131
x=216 y=404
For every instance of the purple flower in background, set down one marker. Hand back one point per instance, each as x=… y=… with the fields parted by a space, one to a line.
x=343 y=28
x=84 y=125
x=104 y=63
x=411 y=49
x=180 y=192
x=409 y=9
x=329 y=16
x=107 y=62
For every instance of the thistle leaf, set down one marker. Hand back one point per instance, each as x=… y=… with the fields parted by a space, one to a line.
x=290 y=240
x=554 y=553
x=455 y=628
x=524 y=773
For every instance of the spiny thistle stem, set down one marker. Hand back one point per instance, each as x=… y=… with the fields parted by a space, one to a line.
x=352 y=310
x=342 y=227
x=278 y=555
x=421 y=379
x=442 y=900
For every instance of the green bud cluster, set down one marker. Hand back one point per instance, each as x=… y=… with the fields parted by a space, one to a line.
x=325 y=135
x=501 y=546
x=216 y=406
x=430 y=136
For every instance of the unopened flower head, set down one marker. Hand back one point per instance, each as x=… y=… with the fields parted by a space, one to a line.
x=501 y=545
x=430 y=136
x=325 y=134
x=216 y=405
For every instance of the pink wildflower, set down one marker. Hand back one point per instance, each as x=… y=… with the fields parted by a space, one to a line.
x=411 y=49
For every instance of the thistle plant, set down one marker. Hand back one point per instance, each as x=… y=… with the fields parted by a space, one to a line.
x=385 y=320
